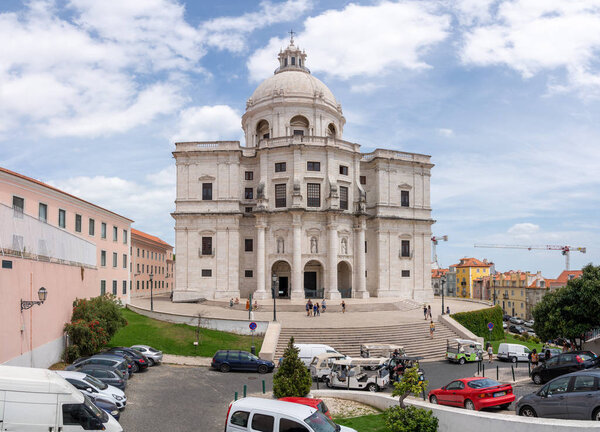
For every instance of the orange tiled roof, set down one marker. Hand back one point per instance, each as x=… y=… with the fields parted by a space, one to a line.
x=149 y=237
x=436 y=273
x=534 y=283
x=564 y=276
x=472 y=262
x=24 y=177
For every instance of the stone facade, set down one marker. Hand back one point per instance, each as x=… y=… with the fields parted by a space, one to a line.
x=299 y=203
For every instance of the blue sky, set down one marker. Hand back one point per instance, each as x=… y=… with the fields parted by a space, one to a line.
x=504 y=95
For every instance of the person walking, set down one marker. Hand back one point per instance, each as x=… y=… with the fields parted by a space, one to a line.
x=447 y=310
x=490 y=352
x=323 y=306
x=429 y=312
x=535 y=358
x=343 y=306
x=431 y=329
x=424 y=311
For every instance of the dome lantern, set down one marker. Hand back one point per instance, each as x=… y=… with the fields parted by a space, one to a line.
x=292 y=58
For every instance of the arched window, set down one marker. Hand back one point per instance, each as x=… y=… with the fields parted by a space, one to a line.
x=262 y=130
x=299 y=125
x=331 y=130
x=293 y=61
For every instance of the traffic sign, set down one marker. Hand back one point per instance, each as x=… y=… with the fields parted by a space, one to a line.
x=252 y=326
x=490 y=326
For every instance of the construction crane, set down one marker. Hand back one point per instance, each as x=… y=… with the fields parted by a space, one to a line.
x=434 y=242
x=565 y=250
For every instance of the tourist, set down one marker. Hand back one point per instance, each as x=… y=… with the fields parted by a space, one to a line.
x=237 y=301
x=323 y=306
x=343 y=306
x=307 y=307
x=315 y=307
x=318 y=309
x=429 y=312
x=431 y=329
x=310 y=307
x=255 y=307
x=447 y=310
x=490 y=352
x=248 y=304
x=231 y=302
x=535 y=358
x=424 y=311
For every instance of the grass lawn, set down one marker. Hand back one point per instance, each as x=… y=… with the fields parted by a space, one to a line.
x=178 y=338
x=368 y=423
x=511 y=339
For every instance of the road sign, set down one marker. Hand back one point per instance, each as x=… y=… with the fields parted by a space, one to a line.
x=490 y=326
x=252 y=326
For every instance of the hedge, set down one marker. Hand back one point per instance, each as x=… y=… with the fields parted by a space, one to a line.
x=477 y=321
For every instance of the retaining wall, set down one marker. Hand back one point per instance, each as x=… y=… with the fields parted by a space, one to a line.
x=269 y=345
x=459 y=329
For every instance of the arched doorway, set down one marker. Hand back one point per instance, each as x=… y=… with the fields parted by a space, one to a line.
x=299 y=125
x=283 y=271
x=313 y=279
x=344 y=278
x=262 y=130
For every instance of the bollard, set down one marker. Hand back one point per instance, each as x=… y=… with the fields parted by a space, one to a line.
x=317 y=383
x=513 y=372
x=263 y=386
x=478 y=367
x=235 y=398
x=482 y=370
x=424 y=398
x=529 y=368
x=348 y=383
x=497 y=373
x=245 y=390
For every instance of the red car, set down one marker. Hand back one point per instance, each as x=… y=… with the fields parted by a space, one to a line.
x=473 y=393
x=314 y=403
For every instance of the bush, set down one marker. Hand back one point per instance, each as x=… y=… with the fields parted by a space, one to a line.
x=93 y=324
x=477 y=322
x=525 y=336
x=410 y=419
x=292 y=378
x=536 y=340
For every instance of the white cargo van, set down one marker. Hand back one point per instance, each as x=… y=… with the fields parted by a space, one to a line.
x=308 y=351
x=40 y=400
x=513 y=352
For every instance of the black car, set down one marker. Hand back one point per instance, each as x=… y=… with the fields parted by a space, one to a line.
x=506 y=317
x=562 y=364
x=229 y=360
x=516 y=329
x=111 y=360
x=140 y=362
x=106 y=374
x=106 y=405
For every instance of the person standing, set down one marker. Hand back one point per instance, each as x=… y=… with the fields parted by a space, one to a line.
x=307 y=307
x=424 y=311
x=535 y=358
x=248 y=304
x=447 y=310
x=318 y=309
x=490 y=352
x=323 y=306
x=310 y=307
x=315 y=309
x=429 y=312
x=343 y=306
x=431 y=329
x=231 y=302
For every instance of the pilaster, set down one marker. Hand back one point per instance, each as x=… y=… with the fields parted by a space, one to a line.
x=297 y=285
x=331 y=291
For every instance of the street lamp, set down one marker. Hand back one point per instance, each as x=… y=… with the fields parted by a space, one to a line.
x=151 y=294
x=27 y=304
x=274 y=294
x=443 y=281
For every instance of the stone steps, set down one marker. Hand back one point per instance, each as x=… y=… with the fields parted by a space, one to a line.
x=413 y=336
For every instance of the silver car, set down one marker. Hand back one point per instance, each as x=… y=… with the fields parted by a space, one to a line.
x=154 y=356
x=573 y=396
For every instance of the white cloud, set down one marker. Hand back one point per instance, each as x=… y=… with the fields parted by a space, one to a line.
x=445 y=132
x=218 y=122
x=362 y=40
x=542 y=35
x=470 y=11
x=523 y=229
x=366 y=88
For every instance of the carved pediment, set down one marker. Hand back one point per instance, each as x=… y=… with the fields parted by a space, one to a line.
x=280 y=232
x=313 y=232
x=405 y=186
x=206 y=178
x=207 y=233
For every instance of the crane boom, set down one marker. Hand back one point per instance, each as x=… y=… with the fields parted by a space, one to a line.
x=566 y=250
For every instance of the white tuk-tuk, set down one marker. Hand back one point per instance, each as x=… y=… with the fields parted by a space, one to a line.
x=380 y=350
x=320 y=366
x=348 y=374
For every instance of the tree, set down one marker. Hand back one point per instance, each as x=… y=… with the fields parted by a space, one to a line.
x=292 y=378
x=570 y=311
x=409 y=384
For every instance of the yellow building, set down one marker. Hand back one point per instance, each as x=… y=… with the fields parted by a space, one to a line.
x=467 y=271
x=510 y=290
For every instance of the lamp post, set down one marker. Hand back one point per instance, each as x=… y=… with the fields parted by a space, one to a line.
x=274 y=293
x=28 y=304
x=443 y=281
x=151 y=293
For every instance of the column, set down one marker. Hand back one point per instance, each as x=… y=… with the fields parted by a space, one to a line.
x=297 y=283
x=260 y=292
x=361 y=281
x=332 y=257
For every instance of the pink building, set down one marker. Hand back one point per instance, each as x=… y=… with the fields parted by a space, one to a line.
x=150 y=255
x=68 y=246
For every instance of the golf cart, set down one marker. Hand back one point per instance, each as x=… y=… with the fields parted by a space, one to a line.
x=320 y=366
x=398 y=364
x=380 y=350
x=347 y=374
x=463 y=350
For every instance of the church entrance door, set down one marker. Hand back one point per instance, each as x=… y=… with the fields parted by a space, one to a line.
x=283 y=287
x=310 y=284
x=283 y=271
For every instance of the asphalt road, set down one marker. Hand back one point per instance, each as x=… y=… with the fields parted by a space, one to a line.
x=195 y=399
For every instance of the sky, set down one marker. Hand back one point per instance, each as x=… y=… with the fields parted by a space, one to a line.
x=503 y=94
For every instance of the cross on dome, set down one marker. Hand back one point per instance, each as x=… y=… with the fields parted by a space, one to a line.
x=292 y=58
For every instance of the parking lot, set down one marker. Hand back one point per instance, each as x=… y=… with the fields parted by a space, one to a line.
x=195 y=399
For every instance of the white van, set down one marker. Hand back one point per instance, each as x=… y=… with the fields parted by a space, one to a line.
x=268 y=415
x=513 y=352
x=308 y=351
x=40 y=400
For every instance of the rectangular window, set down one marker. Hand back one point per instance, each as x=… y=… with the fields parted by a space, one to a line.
x=43 y=212
x=405 y=252
x=206 y=273
x=293 y=61
x=115 y=259
x=138 y=267
x=103 y=258
x=114 y=290
x=77 y=223
x=102 y=287
x=280 y=167
x=249 y=175
x=248 y=273
x=115 y=233
x=124 y=260
x=91 y=227
x=248 y=193
x=405 y=273
x=124 y=287
x=125 y=238
x=206 y=191
x=138 y=252
x=137 y=285
x=313 y=166
x=363 y=180
x=343 y=170
x=343 y=198
x=103 y=230
x=207 y=246
x=248 y=209
x=365 y=247
x=62 y=218
x=248 y=245
x=404 y=199
x=313 y=194
x=18 y=206
x=280 y=196
x=298 y=132
x=143 y=253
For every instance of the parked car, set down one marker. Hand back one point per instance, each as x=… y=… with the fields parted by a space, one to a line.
x=473 y=394
x=93 y=387
x=563 y=364
x=516 y=320
x=463 y=350
x=516 y=329
x=506 y=317
x=553 y=352
x=311 y=402
x=349 y=374
x=513 y=352
x=153 y=355
x=573 y=396
x=228 y=360
x=140 y=362
x=114 y=361
x=261 y=414
x=504 y=325
x=306 y=352
x=529 y=323
x=106 y=374
x=107 y=406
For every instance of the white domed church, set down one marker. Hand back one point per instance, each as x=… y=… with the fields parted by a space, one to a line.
x=297 y=206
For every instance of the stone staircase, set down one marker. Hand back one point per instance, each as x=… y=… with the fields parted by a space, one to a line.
x=413 y=336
